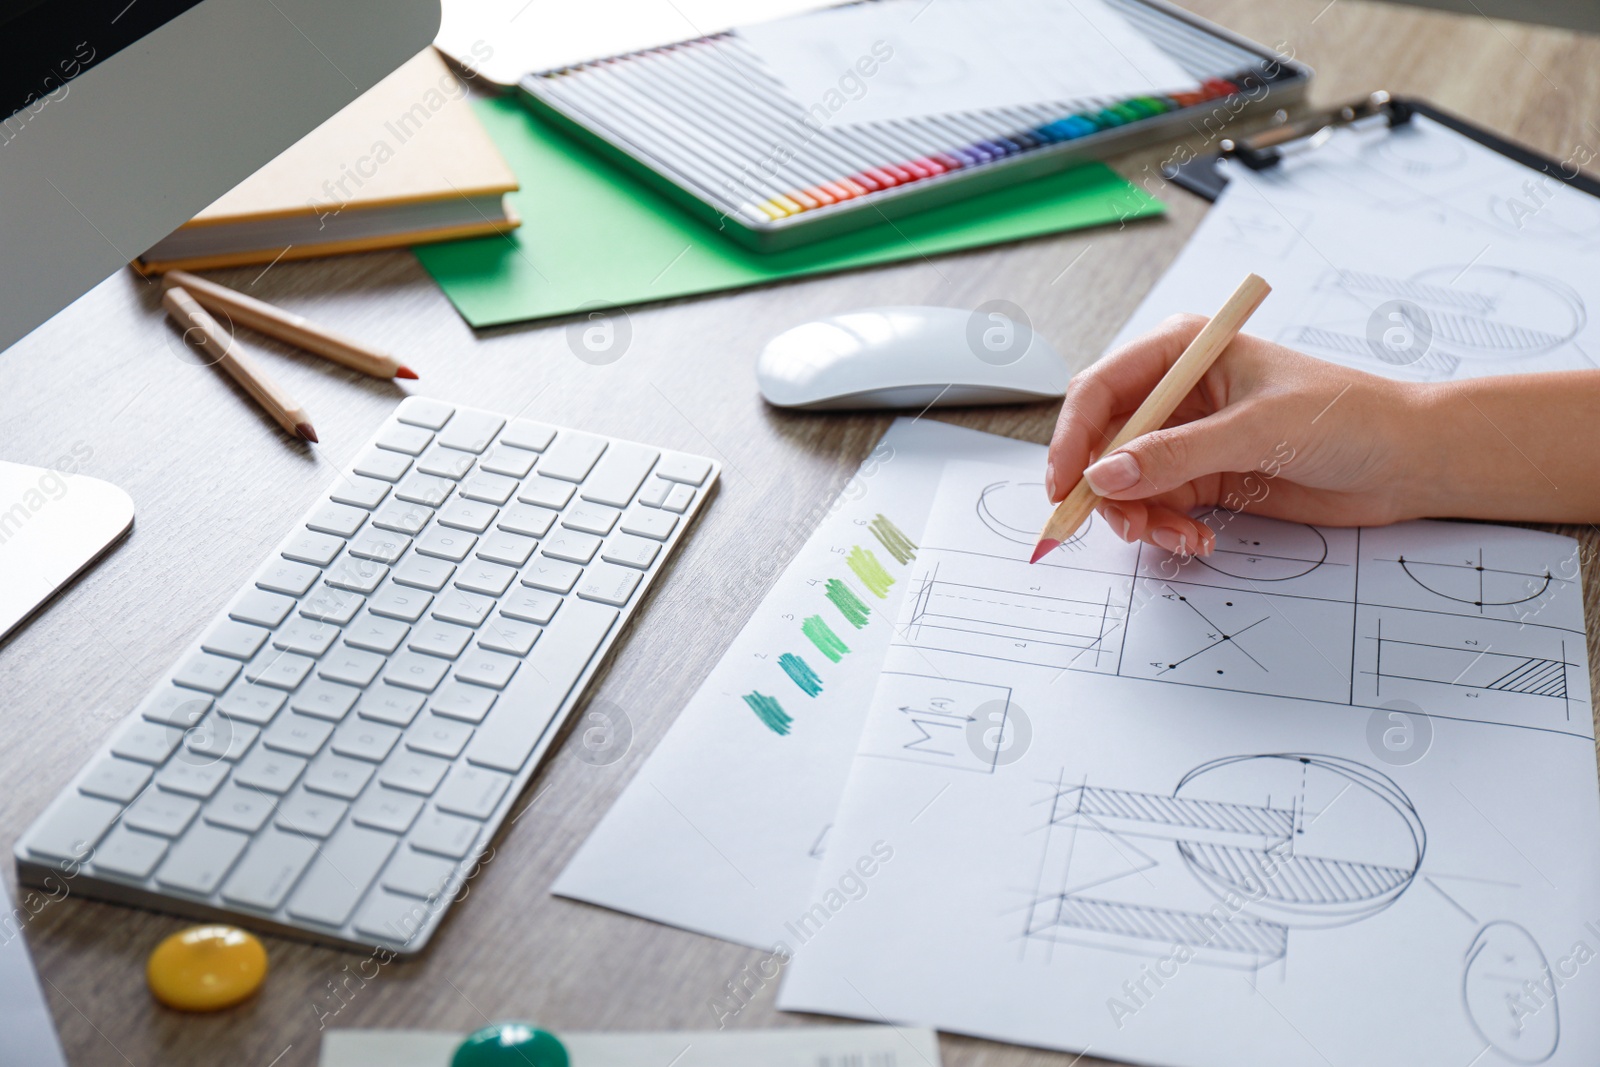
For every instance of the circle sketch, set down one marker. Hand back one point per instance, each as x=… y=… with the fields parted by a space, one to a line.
x=1262 y=550
x=1017 y=512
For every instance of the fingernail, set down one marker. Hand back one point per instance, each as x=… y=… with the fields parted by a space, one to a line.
x=1113 y=474
x=1208 y=541
x=1050 y=480
x=1119 y=521
x=1171 y=540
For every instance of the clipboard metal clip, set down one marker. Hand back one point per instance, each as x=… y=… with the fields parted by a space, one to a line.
x=1261 y=151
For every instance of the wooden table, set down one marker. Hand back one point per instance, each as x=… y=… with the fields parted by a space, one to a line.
x=215 y=484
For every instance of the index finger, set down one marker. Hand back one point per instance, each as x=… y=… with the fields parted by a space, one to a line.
x=1105 y=393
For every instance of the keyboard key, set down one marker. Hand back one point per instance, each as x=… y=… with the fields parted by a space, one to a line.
x=192 y=779
x=365 y=493
x=656 y=525
x=376 y=634
x=489 y=488
x=161 y=813
x=508 y=735
x=609 y=584
x=443 y=835
x=591 y=518
x=551 y=574
x=511 y=549
x=521 y=433
x=630 y=551
x=472 y=791
x=261 y=607
x=281 y=670
x=356 y=575
x=679 y=499
x=340 y=875
x=300 y=735
x=509 y=636
x=382 y=464
x=397 y=602
x=572 y=546
x=492 y=669
x=691 y=470
x=425 y=489
x=429 y=414
x=325 y=699
x=490 y=579
x=618 y=474
x=655 y=492
x=382 y=547
x=338 y=776
x=130 y=853
x=351 y=666
x=368 y=741
x=530 y=605
x=70 y=827
x=388 y=809
x=220 y=738
x=273 y=772
x=469 y=703
x=446 y=463
x=443 y=543
x=414 y=772
x=390 y=704
x=572 y=456
x=413 y=670
x=115 y=779
x=146 y=742
x=471 y=431
x=392 y=918
x=239 y=809
x=469 y=515
x=311 y=547
x=418 y=874
x=469 y=609
x=238 y=640
x=515 y=462
x=248 y=702
x=310 y=813
x=199 y=862
x=546 y=492
x=172 y=706
x=341 y=520
x=436 y=638
x=438 y=736
x=270 y=867
x=402 y=438
x=527 y=519
x=208 y=673
x=286 y=577
x=402 y=518
x=327 y=604
x=306 y=636
x=424 y=573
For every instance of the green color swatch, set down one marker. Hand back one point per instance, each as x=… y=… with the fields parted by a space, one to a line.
x=594 y=236
x=821 y=635
x=893 y=541
x=800 y=673
x=769 y=711
x=849 y=605
x=865 y=566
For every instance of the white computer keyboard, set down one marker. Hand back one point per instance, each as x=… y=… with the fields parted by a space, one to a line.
x=333 y=754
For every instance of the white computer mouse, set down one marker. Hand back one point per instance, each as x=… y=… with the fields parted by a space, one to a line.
x=910 y=357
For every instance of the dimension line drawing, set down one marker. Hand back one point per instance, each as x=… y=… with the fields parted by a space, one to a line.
x=1305 y=841
x=1476 y=584
x=1473 y=668
x=1262 y=550
x=948 y=722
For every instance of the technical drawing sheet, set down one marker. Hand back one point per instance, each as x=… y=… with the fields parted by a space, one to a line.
x=723 y=827
x=1326 y=797
x=1414 y=252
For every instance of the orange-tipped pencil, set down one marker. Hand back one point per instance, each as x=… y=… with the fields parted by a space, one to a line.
x=287 y=327
x=188 y=313
x=1158 y=407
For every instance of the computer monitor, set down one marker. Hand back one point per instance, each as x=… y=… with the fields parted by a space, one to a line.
x=120 y=119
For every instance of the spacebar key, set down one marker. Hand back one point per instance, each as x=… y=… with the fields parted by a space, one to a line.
x=524 y=710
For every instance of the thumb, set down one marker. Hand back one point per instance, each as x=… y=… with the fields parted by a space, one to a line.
x=1164 y=460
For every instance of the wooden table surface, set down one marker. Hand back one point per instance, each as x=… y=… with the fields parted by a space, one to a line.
x=215 y=484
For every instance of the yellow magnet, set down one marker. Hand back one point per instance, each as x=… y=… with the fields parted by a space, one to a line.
x=206 y=968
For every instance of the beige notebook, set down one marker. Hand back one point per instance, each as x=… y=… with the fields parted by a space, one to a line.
x=406 y=163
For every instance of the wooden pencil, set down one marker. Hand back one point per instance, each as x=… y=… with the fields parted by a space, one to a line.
x=1158 y=407
x=200 y=326
x=288 y=327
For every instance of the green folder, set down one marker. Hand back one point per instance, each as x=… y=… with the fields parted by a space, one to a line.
x=594 y=236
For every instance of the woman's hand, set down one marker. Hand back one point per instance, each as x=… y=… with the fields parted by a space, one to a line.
x=1267 y=430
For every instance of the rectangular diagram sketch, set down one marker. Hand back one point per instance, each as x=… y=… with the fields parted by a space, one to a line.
x=946 y=722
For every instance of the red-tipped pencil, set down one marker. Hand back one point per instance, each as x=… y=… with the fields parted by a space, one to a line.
x=288 y=327
x=1158 y=407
